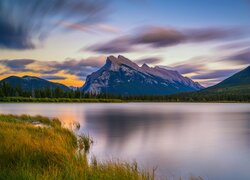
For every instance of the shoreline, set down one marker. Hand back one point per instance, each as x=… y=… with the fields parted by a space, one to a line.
x=64 y=100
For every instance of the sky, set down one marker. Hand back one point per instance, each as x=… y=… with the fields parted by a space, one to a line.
x=66 y=40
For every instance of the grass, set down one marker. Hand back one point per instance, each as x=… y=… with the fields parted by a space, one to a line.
x=84 y=143
x=52 y=152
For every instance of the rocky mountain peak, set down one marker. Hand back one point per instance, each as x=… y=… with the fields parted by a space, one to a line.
x=121 y=60
x=124 y=77
x=145 y=66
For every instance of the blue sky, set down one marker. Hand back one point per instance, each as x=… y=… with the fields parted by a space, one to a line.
x=206 y=40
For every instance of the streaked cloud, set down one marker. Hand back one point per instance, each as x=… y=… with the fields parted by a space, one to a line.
x=17 y=64
x=23 y=22
x=150 y=60
x=209 y=70
x=242 y=57
x=215 y=74
x=93 y=28
x=159 y=37
x=80 y=68
x=194 y=65
x=12 y=37
x=118 y=45
x=107 y=28
x=233 y=46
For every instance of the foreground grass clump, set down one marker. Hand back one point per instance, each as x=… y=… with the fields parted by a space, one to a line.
x=28 y=151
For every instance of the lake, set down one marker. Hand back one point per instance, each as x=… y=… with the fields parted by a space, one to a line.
x=180 y=139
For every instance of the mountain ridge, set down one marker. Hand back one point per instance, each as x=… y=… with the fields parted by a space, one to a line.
x=122 y=76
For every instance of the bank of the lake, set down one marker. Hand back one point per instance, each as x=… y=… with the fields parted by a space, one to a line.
x=39 y=148
x=58 y=100
x=115 y=100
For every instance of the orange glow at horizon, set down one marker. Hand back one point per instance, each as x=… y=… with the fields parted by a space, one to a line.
x=69 y=81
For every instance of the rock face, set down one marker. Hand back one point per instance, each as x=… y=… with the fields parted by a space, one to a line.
x=29 y=83
x=120 y=76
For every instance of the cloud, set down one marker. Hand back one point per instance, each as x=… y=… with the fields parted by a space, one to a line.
x=200 y=65
x=23 y=21
x=53 y=77
x=91 y=27
x=202 y=69
x=158 y=37
x=194 y=65
x=211 y=82
x=151 y=60
x=211 y=34
x=121 y=44
x=212 y=77
x=17 y=64
x=233 y=46
x=80 y=68
x=215 y=74
x=189 y=68
x=49 y=69
x=13 y=38
x=242 y=57
x=107 y=28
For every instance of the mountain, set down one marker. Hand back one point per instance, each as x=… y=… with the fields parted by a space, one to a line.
x=121 y=76
x=30 y=82
x=73 y=88
x=239 y=84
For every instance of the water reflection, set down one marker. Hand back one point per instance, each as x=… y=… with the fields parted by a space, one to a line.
x=210 y=140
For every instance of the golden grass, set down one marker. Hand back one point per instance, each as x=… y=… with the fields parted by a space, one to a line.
x=51 y=152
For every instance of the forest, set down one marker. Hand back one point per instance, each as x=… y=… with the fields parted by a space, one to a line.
x=17 y=94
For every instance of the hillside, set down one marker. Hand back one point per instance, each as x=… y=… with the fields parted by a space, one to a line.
x=238 y=84
x=28 y=83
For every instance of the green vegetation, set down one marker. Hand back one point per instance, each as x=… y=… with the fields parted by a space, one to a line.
x=239 y=93
x=226 y=91
x=6 y=90
x=28 y=151
x=59 y=100
x=201 y=96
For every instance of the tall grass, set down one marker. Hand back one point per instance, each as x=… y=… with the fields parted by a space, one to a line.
x=50 y=152
x=84 y=143
x=53 y=152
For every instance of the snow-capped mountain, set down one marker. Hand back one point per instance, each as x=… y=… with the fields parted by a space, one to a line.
x=120 y=76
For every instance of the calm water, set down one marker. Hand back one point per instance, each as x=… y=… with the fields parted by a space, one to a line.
x=208 y=140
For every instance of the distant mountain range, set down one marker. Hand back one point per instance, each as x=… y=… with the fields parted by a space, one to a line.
x=121 y=76
x=29 y=83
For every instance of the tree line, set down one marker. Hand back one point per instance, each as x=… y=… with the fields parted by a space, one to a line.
x=8 y=91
